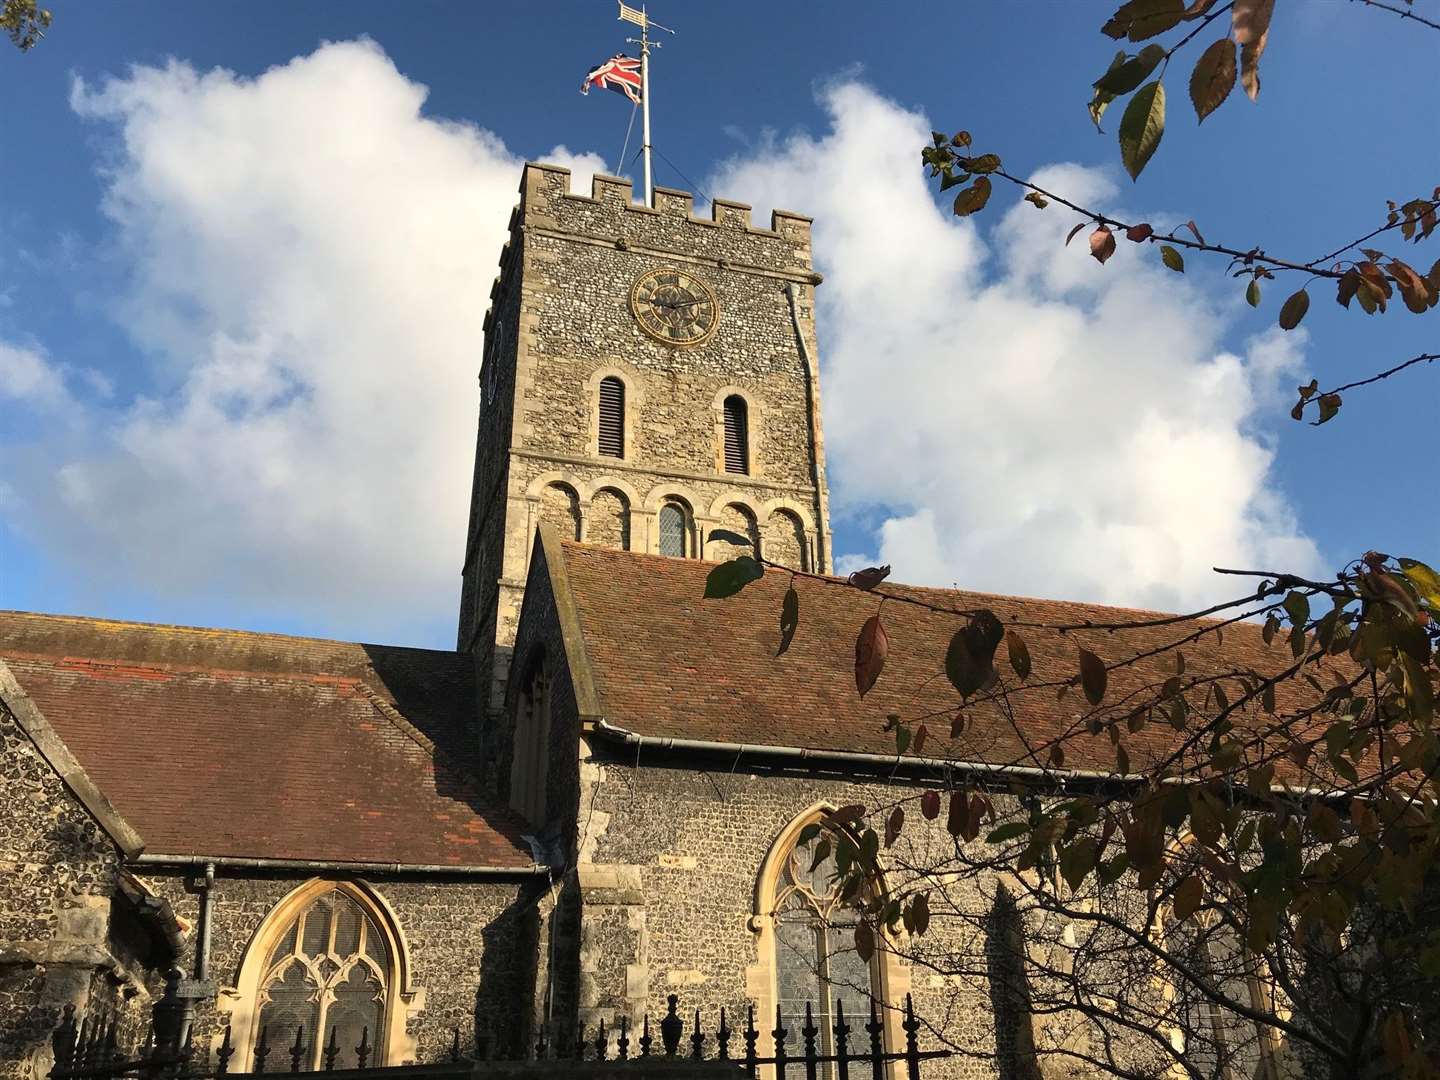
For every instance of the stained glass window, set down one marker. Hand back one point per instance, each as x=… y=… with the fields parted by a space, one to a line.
x=815 y=956
x=328 y=972
x=673 y=527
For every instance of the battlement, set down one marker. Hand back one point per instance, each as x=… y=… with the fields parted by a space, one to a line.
x=547 y=200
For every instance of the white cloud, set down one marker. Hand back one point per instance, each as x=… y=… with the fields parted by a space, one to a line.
x=1020 y=418
x=311 y=260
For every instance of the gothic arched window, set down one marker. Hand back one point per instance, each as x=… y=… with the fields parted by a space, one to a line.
x=737 y=435
x=330 y=971
x=612 y=418
x=815 y=957
x=674 y=530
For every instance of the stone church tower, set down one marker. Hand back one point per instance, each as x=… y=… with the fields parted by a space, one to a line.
x=648 y=378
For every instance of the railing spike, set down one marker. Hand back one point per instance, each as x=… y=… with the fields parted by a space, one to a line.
x=877 y=1048
x=645 y=1037
x=298 y=1050
x=455 y=1045
x=912 y=1045
x=602 y=1041
x=779 y=1036
x=222 y=1056
x=541 y=1047
x=842 y=1042
x=697 y=1040
x=262 y=1048
x=722 y=1037
x=62 y=1040
x=580 y=1042
x=751 y=1038
x=332 y=1049
x=810 y=1031
x=623 y=1043
x=362 y=1052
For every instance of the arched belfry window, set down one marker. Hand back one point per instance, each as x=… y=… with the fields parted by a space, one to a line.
x=612 y=417
x=329 y=972
x=737 y=435
x=816 y=961
x=674 y=531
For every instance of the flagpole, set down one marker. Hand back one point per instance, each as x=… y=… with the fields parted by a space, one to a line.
x=645 y=106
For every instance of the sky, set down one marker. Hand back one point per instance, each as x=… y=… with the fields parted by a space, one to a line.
x=245 y=250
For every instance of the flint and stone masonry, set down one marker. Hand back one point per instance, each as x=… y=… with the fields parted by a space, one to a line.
x=560 y=320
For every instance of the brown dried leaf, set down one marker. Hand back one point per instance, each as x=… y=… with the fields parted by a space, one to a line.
x=1102 y=244
x=868 y=578
x=1213 y=77
x=1139 y=233
x=1293 y=310
x=930 y=804
x=870 y=648
x=1072 y=233
x=1195 y=230
x=1250 y=24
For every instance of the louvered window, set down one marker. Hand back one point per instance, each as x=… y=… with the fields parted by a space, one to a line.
x=672 y=531
x=737 y=435
x=612 y=417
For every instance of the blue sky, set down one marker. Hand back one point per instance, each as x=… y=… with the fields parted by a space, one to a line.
x=1097 y=433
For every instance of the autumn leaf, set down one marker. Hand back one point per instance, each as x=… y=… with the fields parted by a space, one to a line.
x=868 y=578
x=958 y=820
x=1072 y=233
x=1329 y=406
x=893 y=824
x=1102 y=244
x=1093 y=676
x=1213 y=77
x=1124 y=77
x=1142 y=127
x=973 y=198
x=1139 y=233
x=1250 y=24
x=730 y=537
x=1172 y=258
x=1019 y=654
x=1189 y=895
x=870 y=649
x=1037 y=200
x=1195 y=230
x=864 y=941
x=789 y=619
x=930 y=804
x=1252 y=292
x=1293 y=310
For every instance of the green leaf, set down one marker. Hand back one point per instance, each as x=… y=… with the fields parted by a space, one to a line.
x=973 y=198
x=1078 y=860
x=1142 y=127
x=1425 y=580
x=950 y=179
x=1213 y=77
x=985 y=163
x=1252 y=292
x=1172 y=258
x=822 y=852
x=1009 y=831
x=789 y=619
x=808 y=833
x=729 y=578
x=1297 y=606
x=1293 y=310
x=1113 y=869
x=1329 y=406
x=1122 y=78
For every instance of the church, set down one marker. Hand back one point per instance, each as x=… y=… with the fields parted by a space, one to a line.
x=601 y=796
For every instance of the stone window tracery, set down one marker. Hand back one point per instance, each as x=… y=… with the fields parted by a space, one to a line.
x=330 y=972
x=815 y=956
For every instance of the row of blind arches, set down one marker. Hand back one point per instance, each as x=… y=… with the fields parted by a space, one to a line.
x=611 y=427
x=610 y=522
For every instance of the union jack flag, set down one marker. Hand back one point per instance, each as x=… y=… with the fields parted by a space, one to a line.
x=619 y=73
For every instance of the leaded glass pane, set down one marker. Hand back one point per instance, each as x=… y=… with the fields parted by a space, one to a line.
x=358 y=1005
x=347 y=927
x=286 y=946
x=317 y=928
x=375 y=946
x=797 y=969
x=848 y=975
x=292 y=1005
x=672 y=531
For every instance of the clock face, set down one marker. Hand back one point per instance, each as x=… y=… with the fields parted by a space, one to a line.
x=674 y=307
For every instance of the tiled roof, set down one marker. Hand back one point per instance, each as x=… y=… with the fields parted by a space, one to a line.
x=667 y=663
x=230 y=744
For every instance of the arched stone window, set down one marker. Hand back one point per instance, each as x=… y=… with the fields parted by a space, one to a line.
x=325 y=962
x=674 y=530
x=530 y=763
x=611 y=427
x=560 y=507
x=805 y=945
x=737 y=435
